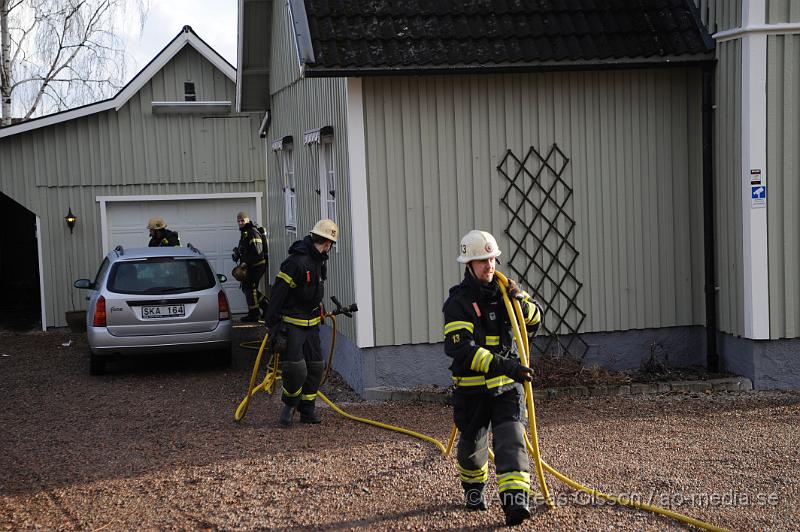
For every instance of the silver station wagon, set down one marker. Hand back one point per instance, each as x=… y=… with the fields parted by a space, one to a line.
x=156 y=300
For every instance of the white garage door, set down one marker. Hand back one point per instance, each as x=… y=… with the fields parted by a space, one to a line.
x=208 y=224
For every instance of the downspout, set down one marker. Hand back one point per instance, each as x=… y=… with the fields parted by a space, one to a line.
x=712 y=358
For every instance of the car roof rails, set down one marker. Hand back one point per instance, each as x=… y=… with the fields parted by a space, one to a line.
x=190 y=246
x=119 y=250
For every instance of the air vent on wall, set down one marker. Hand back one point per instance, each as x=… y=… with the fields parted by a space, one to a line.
x=188 y=91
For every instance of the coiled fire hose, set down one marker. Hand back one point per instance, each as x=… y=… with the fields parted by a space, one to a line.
x=519 y=330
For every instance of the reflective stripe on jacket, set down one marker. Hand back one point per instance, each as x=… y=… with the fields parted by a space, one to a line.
x=299 y=287
x=251 y=245
x=477 y=331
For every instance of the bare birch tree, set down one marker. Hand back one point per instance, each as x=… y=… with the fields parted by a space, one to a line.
x=59 y=54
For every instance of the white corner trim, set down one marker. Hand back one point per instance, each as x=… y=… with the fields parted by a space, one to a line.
x=754 y=156
x=300 y=65
x=257 y=201
x=239 y=54
x=105 y=244
x=41 y=272
x=359 y=214
x=134 y=86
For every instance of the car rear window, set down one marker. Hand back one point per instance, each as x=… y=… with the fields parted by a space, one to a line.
x=161 y=275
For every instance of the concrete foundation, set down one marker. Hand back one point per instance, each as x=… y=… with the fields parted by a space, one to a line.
x=770 y=364
x=407 y=366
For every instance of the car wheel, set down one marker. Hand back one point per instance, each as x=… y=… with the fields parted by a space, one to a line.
x=224 y=357
x=97 y=364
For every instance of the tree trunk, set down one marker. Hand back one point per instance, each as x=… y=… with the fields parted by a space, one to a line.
x=5 y=65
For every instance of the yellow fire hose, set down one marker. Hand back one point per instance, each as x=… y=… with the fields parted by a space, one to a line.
x=519 y=329
x=521 y=338
x=272 y=375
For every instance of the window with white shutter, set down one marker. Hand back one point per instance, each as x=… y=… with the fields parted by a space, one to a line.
x=327 y=179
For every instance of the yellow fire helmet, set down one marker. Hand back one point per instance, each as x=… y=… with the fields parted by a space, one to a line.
x=326 y=229
x=477 y=245
x=156 y=223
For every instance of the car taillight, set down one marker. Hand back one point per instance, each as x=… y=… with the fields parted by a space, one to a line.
x=100 y=313
x=224 y=313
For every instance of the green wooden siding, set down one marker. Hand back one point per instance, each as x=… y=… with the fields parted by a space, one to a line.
x=297 y=108
x=720 y=15
x=284 y=69
x=783 y=180
x=728 y=188
x=781 y=11
x=636 y=167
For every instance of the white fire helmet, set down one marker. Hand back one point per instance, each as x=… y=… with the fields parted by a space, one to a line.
x=156 y=223
x=326 y=229
x=477 y=245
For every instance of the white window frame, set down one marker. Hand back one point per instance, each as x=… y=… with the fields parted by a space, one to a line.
x=327 y=179
x=286 y=160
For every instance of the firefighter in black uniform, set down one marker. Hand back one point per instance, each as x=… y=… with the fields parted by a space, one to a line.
x=160 y=236
x=295 y=311
x=487 y=374
x=251 y=252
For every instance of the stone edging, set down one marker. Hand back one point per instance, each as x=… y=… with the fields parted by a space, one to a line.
x=730 y=384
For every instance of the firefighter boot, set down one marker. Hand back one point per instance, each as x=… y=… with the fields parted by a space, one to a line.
x=308 y=413
x=286 y=415
x=515 y=506
x=473 y=496
x=251 y=317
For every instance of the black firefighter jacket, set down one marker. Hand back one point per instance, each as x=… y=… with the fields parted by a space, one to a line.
x=251 y=246
x=478 y=335
x=299 y=286
x=164 y=238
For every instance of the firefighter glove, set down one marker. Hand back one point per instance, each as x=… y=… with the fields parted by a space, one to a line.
x=515 y=292
x=522 y=374
x=513 y=369
x=278 y=339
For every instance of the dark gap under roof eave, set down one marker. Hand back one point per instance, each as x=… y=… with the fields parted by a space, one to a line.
x=659 y=62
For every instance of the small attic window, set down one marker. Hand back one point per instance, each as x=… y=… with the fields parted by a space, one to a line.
x=188 y=91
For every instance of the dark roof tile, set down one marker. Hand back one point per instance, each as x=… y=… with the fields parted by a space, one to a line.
x=563 y=24
x=500 y=7
x=318 y=7
x=580 y=23
x=352 y=34
x=588 y=47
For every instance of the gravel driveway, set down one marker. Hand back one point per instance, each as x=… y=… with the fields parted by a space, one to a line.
x=153 y=445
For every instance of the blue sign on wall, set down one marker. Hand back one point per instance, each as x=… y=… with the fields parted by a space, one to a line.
x=758 y=196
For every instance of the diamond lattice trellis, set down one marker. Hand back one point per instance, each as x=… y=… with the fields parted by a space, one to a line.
x=543 y=257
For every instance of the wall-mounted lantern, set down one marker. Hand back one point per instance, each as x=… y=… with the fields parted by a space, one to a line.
x=70 y=219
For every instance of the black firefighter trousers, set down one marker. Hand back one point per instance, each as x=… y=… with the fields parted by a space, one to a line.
x=252 y=294
x=473 y=415
x=301 y=367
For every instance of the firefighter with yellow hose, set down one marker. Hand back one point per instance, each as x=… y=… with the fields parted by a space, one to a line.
x=487 y=373
x=294 y=314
